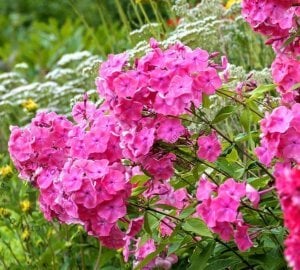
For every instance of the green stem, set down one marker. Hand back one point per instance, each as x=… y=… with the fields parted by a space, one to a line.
x=240 y=102
x=147 y=208
x=98 y=257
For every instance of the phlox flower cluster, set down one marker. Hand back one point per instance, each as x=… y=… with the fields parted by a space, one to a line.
x=279 y=20
x=276 y=19
x=280 y=136
x=288 y=186
x=219 y=208
x=286 y=74
x=83 y=168
x=148 y=96
x=77 y=168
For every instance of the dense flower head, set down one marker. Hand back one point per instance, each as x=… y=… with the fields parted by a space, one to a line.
x=219 y=208
x=286 y=74
x=79 y=166
x=288 y=186
x=274 y=18
x=163 y=82
x=280 y=135
x=76 y=167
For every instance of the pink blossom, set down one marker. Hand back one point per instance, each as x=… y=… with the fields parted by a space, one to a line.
x=278 y=121
x=242 y=238
x=112 y=210
x=145 y=249
x=253 y=195
x=205 y=189
x=224 y=230
x=170 y=130
x=232 y=189
x=209 y=147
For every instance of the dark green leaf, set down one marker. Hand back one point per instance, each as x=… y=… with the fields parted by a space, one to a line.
x=199 y=258
x=197 y=226
x=224 y=113
x=262 y=89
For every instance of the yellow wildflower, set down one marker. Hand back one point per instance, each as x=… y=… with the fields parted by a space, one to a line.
x=30 y=105
x=231 y=2
x=25 y=235
x=5 y=170
x=25 y=205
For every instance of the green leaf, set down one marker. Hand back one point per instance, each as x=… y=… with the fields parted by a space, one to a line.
x=260 y=90
x=146 y=225
x=199 y=258
x=233 y=169
x=222 y=264
x=246 y=136
x=137 y=191
x=197 y=226
x=259 y=182
x=165 y=206
x=139 y=179
x=246 y=119
x=224 y=113
x=205 y=101
x=187 y=211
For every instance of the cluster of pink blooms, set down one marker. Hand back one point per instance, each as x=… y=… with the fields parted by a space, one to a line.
x=81 y=180
x=219 y=208
x=286 y=74
x=288 y=186
x=281 y=140
x=279 y=20
x=83 y=168
x=280 y=136
x=276 y=19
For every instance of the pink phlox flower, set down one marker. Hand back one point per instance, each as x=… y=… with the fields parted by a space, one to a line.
x=242 y=239
x=208 y=81
x=114 y=63
x=278 y=121
x=205 y=189
x=86 y=195
x=253 y=195
x=225 y=208
x=144 y=250
x=224 y=230
x=169 y=130
x=125 y=85
x=112 y=210
x=209 y=147
x=115 y=240
x=232 y=189
x=114 y=182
